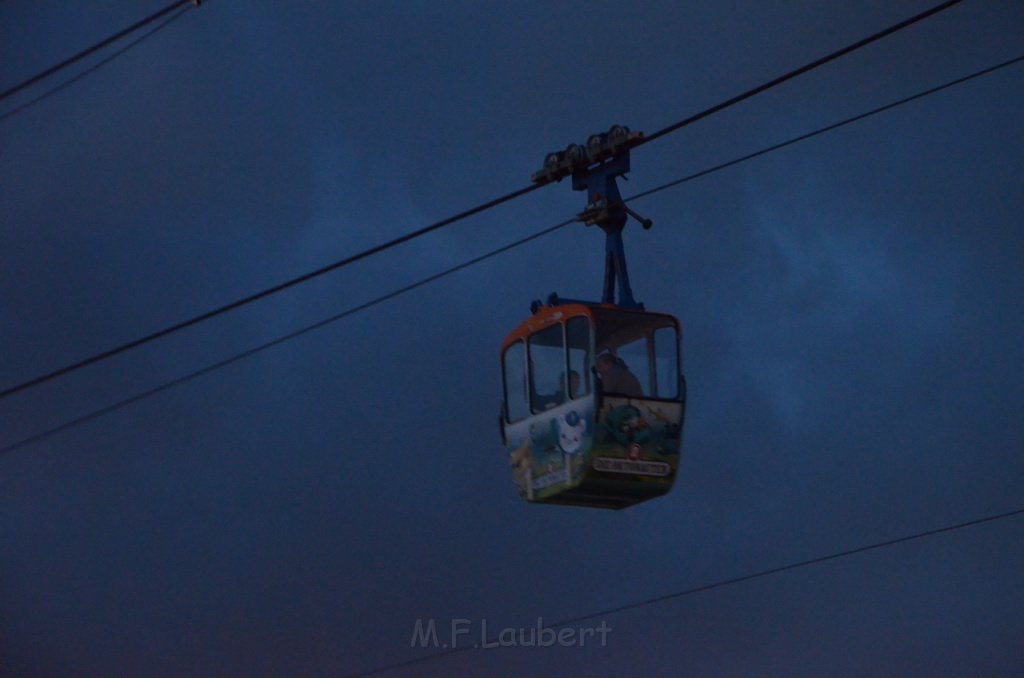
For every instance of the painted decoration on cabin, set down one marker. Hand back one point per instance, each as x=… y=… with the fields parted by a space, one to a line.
x=551 y=456
x=637 y=438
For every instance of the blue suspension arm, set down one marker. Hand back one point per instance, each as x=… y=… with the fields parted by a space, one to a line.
x=594 y=169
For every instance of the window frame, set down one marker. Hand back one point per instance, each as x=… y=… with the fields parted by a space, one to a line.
x=506 y=415
x=531 y=386
x=656 y=322
x=586 y=376
x=653 y=355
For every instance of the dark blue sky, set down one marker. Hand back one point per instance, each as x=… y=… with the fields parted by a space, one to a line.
x=851 y=308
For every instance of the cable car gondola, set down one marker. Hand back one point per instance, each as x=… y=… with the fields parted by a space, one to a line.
x=594 y=395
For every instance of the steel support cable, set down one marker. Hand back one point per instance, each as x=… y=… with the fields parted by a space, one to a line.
x=221 y=310
x=274 y=342
x=800 y=71
x=828 y=128
x=96 y=66
x=380 y=248
x=95 y=48
x=706 y=587
x=210 y=368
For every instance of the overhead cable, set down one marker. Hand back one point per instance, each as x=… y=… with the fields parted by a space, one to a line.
x=445 y=222
x=95 y=48
x=261 y=294
x=280 y=340
x=96 y=66
x=827 y=128
x=274 y=342
x=800 y=71
x=491 y=642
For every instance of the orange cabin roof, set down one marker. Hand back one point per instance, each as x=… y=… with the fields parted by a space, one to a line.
x=549 y=315
x=545 y=316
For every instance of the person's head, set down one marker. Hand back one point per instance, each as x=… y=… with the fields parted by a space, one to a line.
x=604 y=362
x=574 y=382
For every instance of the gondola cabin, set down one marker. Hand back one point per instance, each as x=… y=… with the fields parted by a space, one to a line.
x=594 y=395
x=593 y=404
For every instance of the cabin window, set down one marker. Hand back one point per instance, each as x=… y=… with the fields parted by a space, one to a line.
x=645 y=351
x=633 y=357
x=516 y=404
x=577 y=335
x=666 y=366
x=547 y=368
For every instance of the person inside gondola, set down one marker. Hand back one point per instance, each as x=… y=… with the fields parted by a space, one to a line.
x=615 y=376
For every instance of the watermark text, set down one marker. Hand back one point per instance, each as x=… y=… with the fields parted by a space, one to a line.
x=455 y=633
